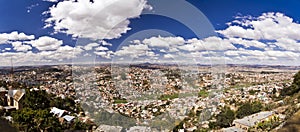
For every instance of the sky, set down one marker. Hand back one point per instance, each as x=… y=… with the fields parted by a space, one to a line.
x=260 y=32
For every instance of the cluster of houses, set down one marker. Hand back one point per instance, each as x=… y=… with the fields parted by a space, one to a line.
x=111 y=87
x=146 y=110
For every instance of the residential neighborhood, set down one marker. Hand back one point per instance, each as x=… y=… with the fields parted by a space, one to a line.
x=180 y=99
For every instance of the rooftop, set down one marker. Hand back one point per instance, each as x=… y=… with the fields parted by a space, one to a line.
x=254 y=118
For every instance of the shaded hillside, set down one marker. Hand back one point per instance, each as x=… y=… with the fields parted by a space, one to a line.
x=6 y=127
x=292 y=125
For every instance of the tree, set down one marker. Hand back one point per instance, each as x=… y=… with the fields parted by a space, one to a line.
x=203 y=93
x=297 y=79
x=252 y=92
x=212 y=125
x=294 y=88
x=249 y=108
x=67 y=103
x=225 y=117
x=28 y=119
x=256 y=106
x=244 y=110
x=36 y=99
x=78 y=125
x=46 y=121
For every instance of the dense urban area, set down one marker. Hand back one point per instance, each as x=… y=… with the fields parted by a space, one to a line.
x=149 y=97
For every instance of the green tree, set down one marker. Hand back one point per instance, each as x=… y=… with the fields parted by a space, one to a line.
x=36 y=99
x=244 y=110
x=225 y=117
x=249 y=108
x=28 y=119
x=203 y=93
x=78 y=125
x=256 y=106
x=252 y=92
x=297 y=79
x=294 y=88
x=46 y=121
x=67 y=103
x=212 y=125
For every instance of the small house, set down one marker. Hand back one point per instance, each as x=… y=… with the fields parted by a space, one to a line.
x=15 y=98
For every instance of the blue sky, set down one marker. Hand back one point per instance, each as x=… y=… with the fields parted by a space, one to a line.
x=37 y=32
x=221 y=12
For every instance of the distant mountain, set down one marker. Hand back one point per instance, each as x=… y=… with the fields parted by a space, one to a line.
x=6 y=69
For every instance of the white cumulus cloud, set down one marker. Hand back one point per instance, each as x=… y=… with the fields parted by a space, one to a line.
x=162 y=41
x=102 y=19
x=133 y=50
x=19 y=46
x=90 y=46
x=46 y=43
x=269 y=26
x=13 y=36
